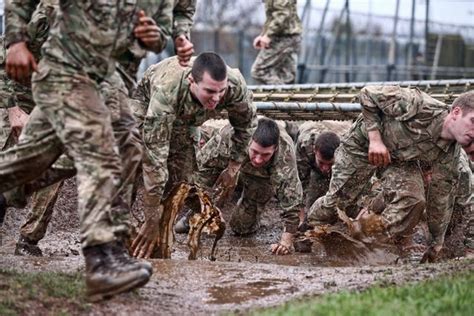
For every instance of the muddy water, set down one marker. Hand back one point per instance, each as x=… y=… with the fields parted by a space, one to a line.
x=245 y=276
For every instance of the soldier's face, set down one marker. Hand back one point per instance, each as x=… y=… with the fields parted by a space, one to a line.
x=463 y=126
x=208 y=91
x=325 y=166
x=259 y=155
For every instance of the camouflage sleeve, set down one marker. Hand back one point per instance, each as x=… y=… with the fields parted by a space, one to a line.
x=287 y=186
x=164 y=19
x=440 y=200
x=157 y=129
x=304 y=167
x=242 y=117
x=277 y=17
x=17 y=14
x=183 y=15
x=399 y=103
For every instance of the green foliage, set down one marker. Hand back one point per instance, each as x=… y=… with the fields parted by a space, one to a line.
x=56 y=293
x=450 y=295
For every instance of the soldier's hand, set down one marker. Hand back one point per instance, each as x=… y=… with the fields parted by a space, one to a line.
x=148 y=32
x=18 y=119
x=285 y=244
x=20 y=63
x=378 y=153
x=184 y=49
x=261 y=42
x=147 y=238
x=431 y=254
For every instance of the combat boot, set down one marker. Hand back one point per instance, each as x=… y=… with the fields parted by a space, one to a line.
x=120 y=252
x=107 y=275
x=26 y=247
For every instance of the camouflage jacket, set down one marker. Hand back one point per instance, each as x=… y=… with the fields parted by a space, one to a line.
x=281 y=171
x=164 y=95
x=311 y=177
x=281 y=18
x=410 y=122
x=85 y=36
x=174 y=17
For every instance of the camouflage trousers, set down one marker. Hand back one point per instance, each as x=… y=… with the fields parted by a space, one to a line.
x=277 y=64
x=71 y=117
x=403 y=191
x=256 y=193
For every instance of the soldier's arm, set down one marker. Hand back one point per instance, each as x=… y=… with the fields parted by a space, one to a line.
x=277 y=24
x=304 y=167
x=17 y=16
x=287 y=184
x=183 y=18
x=242 y=117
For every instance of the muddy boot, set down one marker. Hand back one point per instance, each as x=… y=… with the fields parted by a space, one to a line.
x=26 y=247
x=107 y=275
x=120 y=252
x=182 y=226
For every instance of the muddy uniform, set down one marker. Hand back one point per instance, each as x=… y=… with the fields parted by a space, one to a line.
x=171 y=121
x=315 y=183
x=277 y=64
x=410 y=123
x=278 y=178
x=469 y=232
x=70 y=115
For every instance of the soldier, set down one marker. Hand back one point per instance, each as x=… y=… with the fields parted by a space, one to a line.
x=176 y=101
x=279 y=43
x=269 y=169
x=397 y=128
x=314 y=157
x=70 y=116
x=155 y=31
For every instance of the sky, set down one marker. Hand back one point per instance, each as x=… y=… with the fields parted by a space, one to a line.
x=445 y=11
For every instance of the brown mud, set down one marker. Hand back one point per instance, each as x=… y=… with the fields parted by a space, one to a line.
x=245 y=275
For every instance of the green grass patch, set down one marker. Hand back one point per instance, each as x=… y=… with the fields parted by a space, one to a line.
x=448 y=295
x=41 y=293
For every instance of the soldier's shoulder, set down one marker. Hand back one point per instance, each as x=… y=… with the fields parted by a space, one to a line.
x=235 y=77
x=168 y=72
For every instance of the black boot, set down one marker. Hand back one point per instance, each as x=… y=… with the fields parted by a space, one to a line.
x=107 y=275
x=26 y=247
x=3 y=211
x=120 y=252
x=182 y=225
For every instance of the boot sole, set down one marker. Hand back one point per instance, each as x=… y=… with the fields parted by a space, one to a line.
x=109 y=293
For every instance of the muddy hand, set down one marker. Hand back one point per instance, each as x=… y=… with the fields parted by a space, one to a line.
x=20 y=63
x=184 y=49
x=284 y=246
x=147 y=238
x=147 y=32
x=431 y=254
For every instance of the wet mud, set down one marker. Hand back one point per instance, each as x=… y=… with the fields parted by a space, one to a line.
x=245 y=275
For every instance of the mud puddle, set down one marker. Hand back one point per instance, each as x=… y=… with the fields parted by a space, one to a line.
x=245 y=275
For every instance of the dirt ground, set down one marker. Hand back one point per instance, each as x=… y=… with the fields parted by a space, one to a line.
x=245 y=275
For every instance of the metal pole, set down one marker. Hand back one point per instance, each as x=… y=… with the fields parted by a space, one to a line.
x=348 y=41
x=392 y=53
x=427 y=33
x=305 y=20
x=410 y=42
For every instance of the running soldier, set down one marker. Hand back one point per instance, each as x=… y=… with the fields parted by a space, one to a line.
x=279 y=43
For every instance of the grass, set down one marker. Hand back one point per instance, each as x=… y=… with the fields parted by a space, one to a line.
x=41 y=293
x=448 y=295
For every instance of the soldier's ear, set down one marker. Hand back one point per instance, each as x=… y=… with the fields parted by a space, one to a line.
x=191 y=79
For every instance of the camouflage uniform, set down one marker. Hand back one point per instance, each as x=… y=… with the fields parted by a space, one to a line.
x=278 y=178
x=70 y=115
x=410 y=123
x=277 y=64
x=171 y=121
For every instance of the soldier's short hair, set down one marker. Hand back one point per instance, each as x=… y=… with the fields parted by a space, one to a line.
x=326 y=143
x=465 y=101
x=211 y=63
x=267 y=133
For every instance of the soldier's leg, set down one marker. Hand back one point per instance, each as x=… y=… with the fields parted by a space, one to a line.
x=350 y=175
x=404 y=197
x=268 y=65
x=256 y=193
